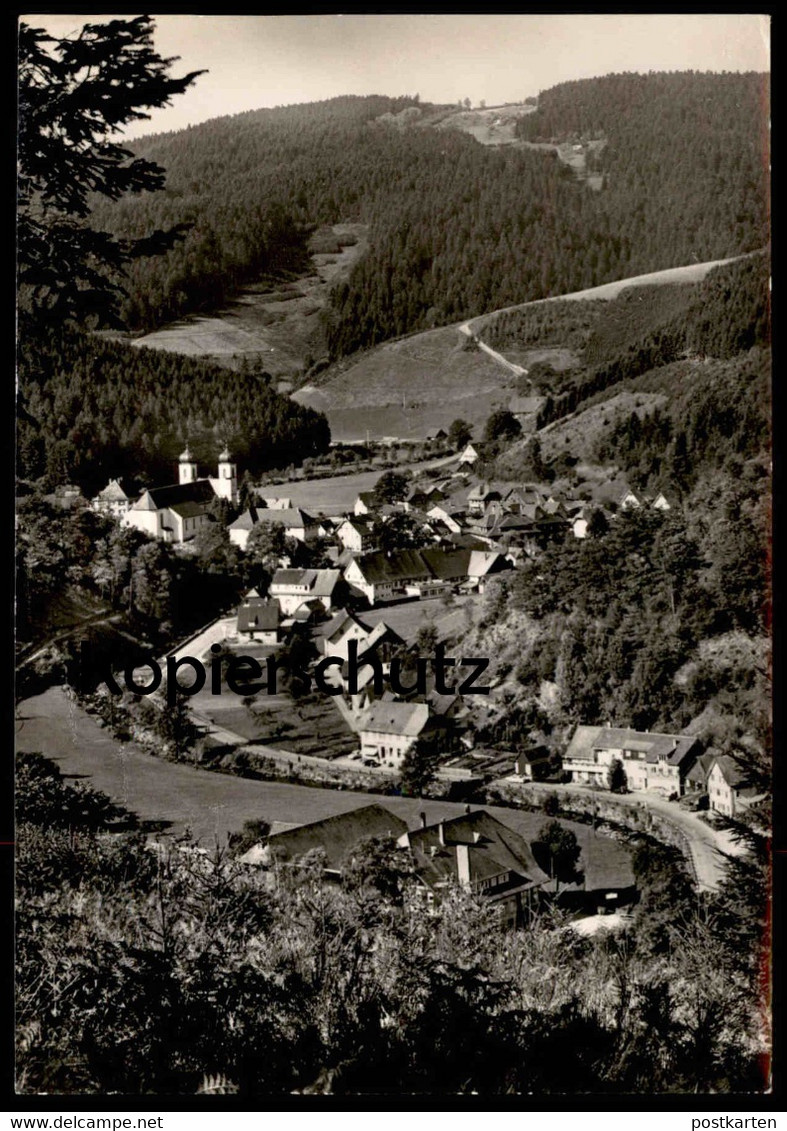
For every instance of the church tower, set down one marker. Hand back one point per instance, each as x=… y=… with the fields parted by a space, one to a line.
x=187 y=467
x=226 y=485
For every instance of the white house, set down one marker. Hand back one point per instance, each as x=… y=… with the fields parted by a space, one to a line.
x=295 y=522
x=333 y=638
x=112 y=501
x=654 y=762
x=726 y=787
x=356 y=536
x=294 y=587
x=388 y=730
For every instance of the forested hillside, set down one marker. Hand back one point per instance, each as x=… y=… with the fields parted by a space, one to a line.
x=456 y=228
x=686 y=157
x=655 y=619
x=94 y=409
x=643 y=328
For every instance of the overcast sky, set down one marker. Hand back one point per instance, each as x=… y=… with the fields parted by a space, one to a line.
x=256 y=61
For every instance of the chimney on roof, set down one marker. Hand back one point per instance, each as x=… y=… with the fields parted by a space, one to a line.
x=674 y=744
x=423 y=820
x=463 y=864
x=441 y=832
x=467 y=808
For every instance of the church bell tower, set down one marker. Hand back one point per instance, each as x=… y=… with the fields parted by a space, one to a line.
x=187 y=467
x=227 y=483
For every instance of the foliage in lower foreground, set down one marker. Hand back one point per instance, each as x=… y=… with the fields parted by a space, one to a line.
x=143 y=969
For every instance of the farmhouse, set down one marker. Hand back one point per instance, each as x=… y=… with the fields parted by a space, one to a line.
x=178 y=512
x=336 y=837
x=480 y=854
x=655 y=762
x=418 y=573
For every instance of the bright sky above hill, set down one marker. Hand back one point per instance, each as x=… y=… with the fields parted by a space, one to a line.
x=257 y=61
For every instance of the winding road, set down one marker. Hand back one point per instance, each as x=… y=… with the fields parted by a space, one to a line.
x=705 y=843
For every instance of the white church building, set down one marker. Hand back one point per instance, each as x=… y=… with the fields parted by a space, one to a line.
x=178 y=512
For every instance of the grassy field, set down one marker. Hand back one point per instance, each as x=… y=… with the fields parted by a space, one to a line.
x=410 y=388
x=311 y=726
x=332 y=494
x=423 y=382
x=276 y=322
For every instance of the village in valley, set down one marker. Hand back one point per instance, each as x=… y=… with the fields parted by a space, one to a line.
x=389 y=582
x=393 y=592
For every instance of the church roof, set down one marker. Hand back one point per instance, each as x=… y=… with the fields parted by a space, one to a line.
x=225 y=456
x=176 y=494
x=186 y=456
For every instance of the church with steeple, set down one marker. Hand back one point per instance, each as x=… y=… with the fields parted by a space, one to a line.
x=178 y=512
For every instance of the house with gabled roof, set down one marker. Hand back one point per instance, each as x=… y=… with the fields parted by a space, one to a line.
x=481 y=496
x=477 y=852
x=728 y=787
x=365 y=503
x=473 y=452
x=259 y=619
x=296 y=587
x=388 y=730
x=357 y=535
x=368 y=664
x=332 y=637
x=112 y=500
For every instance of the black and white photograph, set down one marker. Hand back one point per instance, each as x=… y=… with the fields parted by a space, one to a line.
x=393 y=708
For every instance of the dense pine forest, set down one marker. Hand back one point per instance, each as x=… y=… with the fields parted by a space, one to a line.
x=696 y=143
x=456 y=228
x=95 y=409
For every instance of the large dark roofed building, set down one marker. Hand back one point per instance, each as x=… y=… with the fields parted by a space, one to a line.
x=336 y=836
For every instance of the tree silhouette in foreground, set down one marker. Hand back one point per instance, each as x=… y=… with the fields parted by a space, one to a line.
x=75 y=93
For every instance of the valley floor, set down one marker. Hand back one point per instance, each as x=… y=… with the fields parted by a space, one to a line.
x=176 y=797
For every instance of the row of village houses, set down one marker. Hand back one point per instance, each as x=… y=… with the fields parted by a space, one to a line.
x=391 y=719
x=452 y=511
x=388 y=724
